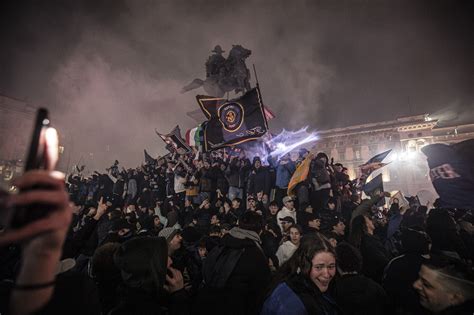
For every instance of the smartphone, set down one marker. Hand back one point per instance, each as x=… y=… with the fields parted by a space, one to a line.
x=36 y=153
x=42 y=154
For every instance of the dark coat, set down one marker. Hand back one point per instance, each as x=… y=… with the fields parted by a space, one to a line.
x=398 y=280
x=245 y=285
x=259 y=180
x=358 y=295
x=207 y=179
x=135 y=302
x=375 y=257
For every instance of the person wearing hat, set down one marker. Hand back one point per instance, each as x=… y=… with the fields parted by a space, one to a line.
x=253 y=204
x=173 y=237
x=288 y=210
x=215 y=62
x=286 y=223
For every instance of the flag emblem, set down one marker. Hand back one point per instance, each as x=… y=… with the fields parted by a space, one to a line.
x=231 y=116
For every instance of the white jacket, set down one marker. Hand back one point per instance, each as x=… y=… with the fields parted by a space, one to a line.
x=285 y=212
x=285 y=251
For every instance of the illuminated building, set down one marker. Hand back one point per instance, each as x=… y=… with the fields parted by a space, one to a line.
x=408 y=170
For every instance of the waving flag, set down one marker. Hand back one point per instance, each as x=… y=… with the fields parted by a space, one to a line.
x=371 y=165
x=231 y=122
x=174 y=142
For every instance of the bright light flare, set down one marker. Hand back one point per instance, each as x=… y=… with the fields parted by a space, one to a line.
x=288 y=141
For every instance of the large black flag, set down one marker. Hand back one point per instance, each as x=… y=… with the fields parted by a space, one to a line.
x=452 y=173
x=231 y=122
x=174 y=142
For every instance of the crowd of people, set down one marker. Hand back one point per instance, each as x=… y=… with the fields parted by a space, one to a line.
x=219 y=234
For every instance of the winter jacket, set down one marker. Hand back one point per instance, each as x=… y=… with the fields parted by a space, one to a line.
x=374 y=256
x=259 y=180
x=299 y=296
x=207 y=180
x=285 y=251
x=398 y=279
x=243 y=287
x=358 y=295
x=284 y=173
x=320 y=173
x=233 y=173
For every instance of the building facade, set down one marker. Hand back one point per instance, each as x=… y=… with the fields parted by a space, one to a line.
x=407 y=170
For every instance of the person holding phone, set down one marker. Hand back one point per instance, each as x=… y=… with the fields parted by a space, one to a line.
x=38 y=218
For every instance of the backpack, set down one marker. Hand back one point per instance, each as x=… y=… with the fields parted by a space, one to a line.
x=219 y=265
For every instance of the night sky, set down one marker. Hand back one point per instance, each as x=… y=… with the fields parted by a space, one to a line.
x=111 y=71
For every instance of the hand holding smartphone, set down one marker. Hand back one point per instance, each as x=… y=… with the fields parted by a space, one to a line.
x=42 y=155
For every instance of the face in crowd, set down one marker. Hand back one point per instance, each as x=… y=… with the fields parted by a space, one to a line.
x=437 y=291
x=286 y=226
x=235 y=204
x=315 y=223
x=175 y=243
x=323 y=270
x=273 y=209
x=258 y=164
x=295 y=236
x=290 y=204
x=339 y=228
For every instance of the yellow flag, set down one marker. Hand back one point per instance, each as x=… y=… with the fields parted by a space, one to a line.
x=300 y=174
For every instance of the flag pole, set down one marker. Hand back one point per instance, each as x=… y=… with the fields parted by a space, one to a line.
x=255 y=73
x=260 y=94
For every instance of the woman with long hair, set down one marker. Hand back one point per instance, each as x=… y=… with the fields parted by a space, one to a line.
x=301 y=283
x=374 y=254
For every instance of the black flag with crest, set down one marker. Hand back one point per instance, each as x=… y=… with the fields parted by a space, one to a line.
x=231 y=122
x=174 y=142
